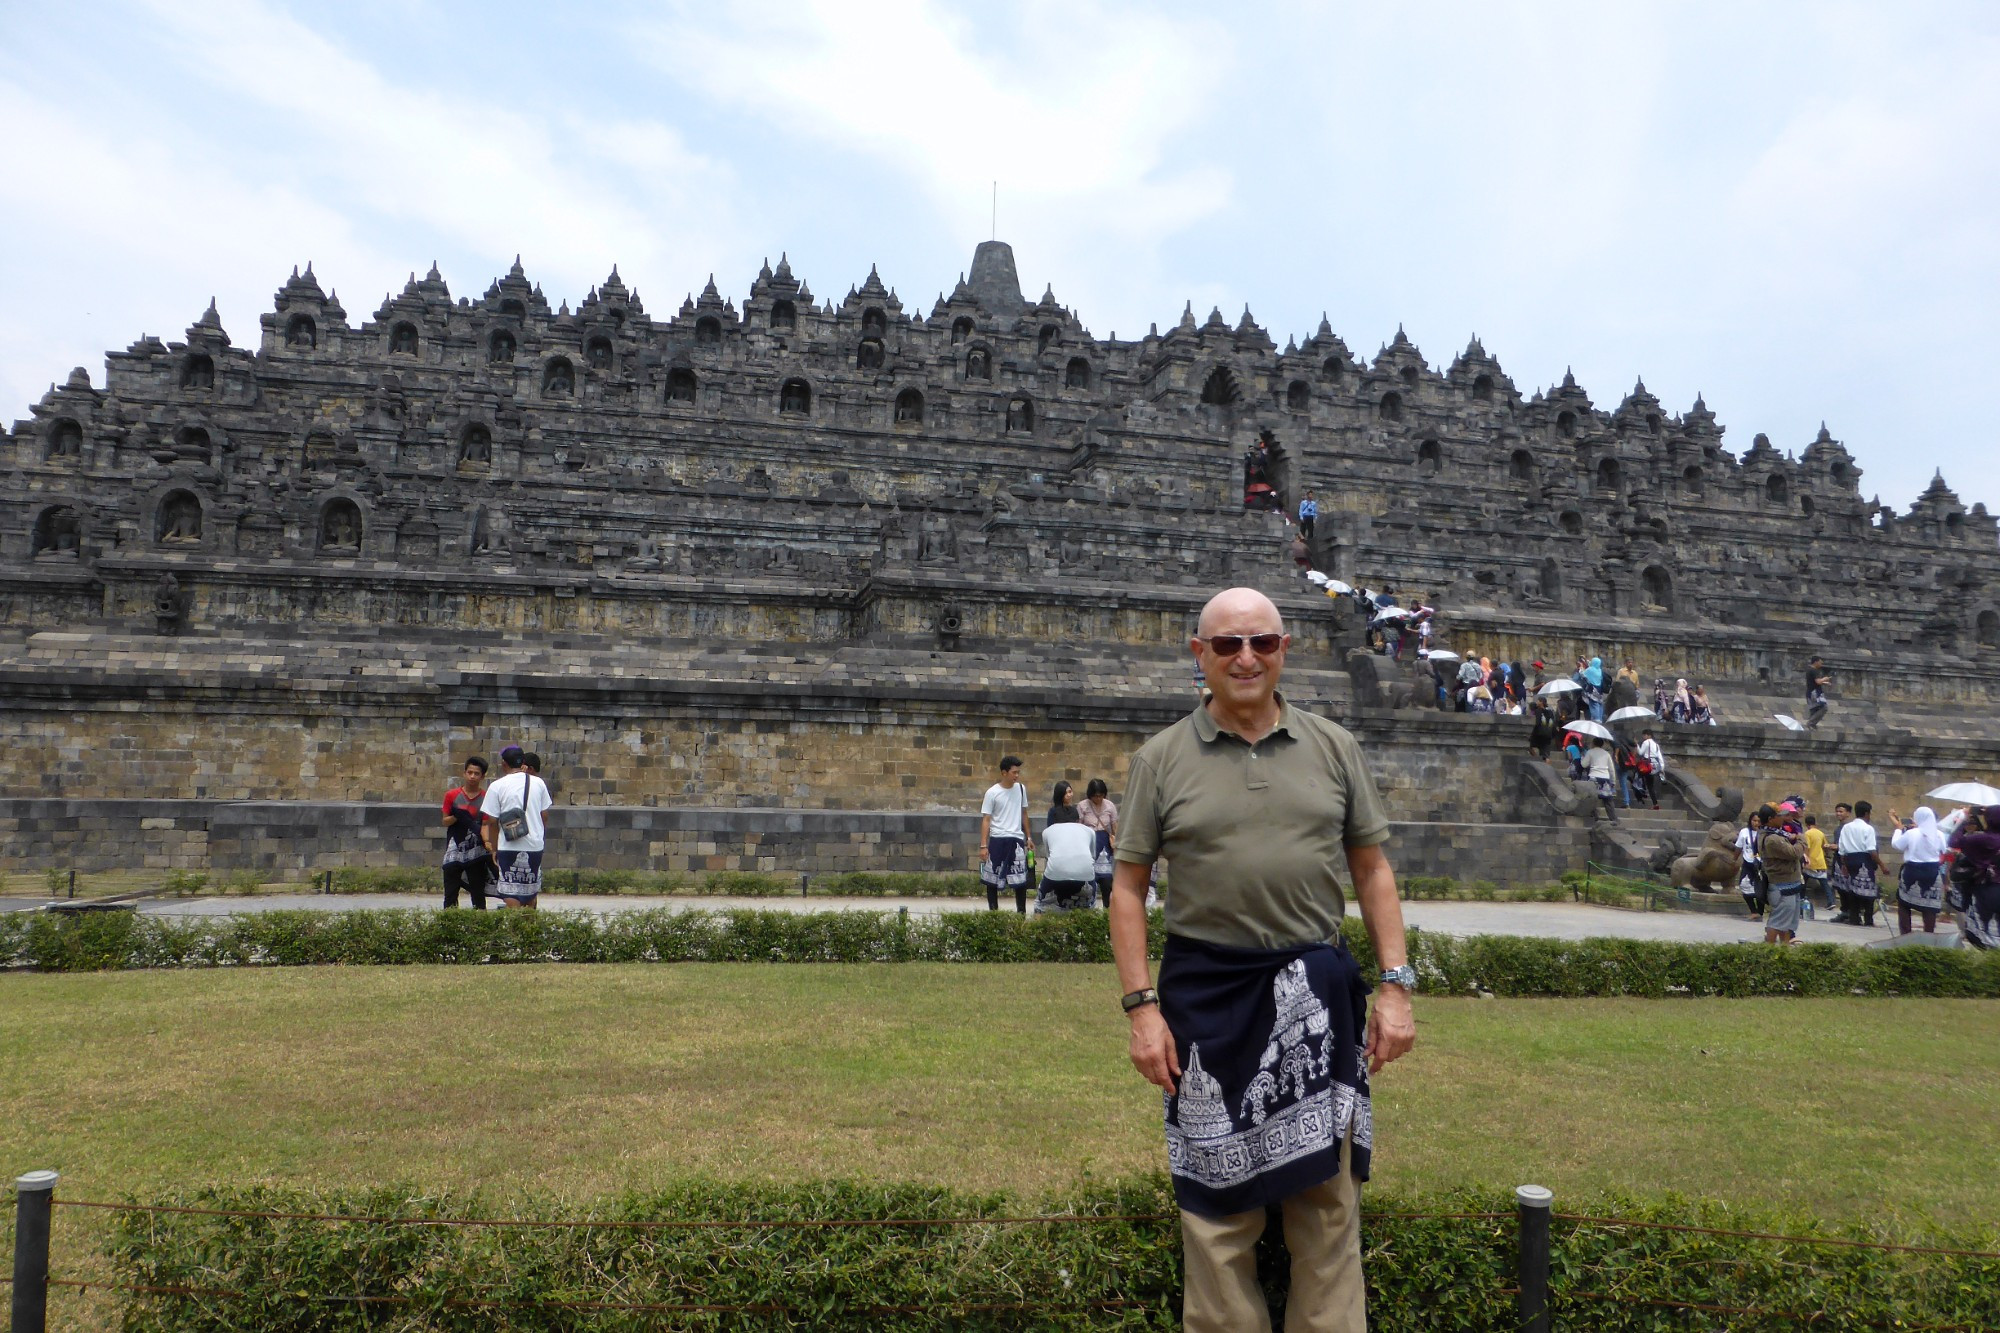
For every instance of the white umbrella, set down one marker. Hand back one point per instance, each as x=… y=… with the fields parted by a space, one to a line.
x=1966 y=793
x=1394 y=613
x=1335 y=588
x=1315 y=576
x=1563 y=686
x=1791 y=723
x=1441 y=655
x=1632 y=713
x=1589 y=728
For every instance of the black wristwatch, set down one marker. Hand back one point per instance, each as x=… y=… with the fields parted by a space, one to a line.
x=1138 y=998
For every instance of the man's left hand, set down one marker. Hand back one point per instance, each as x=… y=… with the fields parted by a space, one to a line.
x=1392 y=1028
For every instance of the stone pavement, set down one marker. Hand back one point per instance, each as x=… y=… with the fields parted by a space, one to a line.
x=1564 y=921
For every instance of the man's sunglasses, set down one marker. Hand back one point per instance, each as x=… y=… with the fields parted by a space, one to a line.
x=1229 y=645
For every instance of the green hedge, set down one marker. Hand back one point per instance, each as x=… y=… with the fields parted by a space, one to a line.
x=722 y=883
x=1489 y=964
x=1423 y=1273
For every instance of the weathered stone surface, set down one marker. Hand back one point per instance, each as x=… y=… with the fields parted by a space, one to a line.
x=843 y=555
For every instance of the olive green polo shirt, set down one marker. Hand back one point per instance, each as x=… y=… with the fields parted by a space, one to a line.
x=1253 y=832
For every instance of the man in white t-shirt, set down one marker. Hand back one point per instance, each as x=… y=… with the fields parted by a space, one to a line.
x=514 y=823
x=1655 y=760
x=1003 y=837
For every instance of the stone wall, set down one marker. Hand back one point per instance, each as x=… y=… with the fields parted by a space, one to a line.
x=291 y=839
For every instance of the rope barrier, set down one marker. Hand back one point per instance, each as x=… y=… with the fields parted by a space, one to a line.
x=533 y=1223
x=1815 y=1317
x=1765 y=1235
x=618 y=1307
x=690 y=1225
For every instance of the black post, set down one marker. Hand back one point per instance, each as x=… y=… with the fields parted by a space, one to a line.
x=34 y=1194
x=1532 y=1202
x=805 y=883
x=72 y=882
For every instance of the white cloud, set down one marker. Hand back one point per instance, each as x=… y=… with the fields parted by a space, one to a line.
x=491 y=178
x=1074 y=109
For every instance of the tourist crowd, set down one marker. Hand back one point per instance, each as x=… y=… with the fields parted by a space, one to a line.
x=1078 y=839
x=1949 y=864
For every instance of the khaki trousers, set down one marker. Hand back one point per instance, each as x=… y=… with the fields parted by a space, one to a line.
x=1323 y=1233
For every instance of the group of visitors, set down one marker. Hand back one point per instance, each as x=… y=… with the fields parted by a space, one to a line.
x=1079 y=838
x=1952 y=863
x=495 y=835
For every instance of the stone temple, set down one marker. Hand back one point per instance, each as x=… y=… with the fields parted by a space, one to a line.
x=774 y=586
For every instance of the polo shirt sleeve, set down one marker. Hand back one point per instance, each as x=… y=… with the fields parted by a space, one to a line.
x=1367 y=821
x=1139 y=822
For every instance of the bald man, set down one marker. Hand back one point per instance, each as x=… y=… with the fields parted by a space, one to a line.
x=1260 y=1033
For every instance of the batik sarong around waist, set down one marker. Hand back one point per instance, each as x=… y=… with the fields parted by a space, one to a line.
x=1921 y=886
x=1273 y=1076
x=1006 y=863
x=1854 y=872
x=1102 y=865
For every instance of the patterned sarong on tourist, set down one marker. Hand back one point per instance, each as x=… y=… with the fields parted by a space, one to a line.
x=1006 y=863
x=1100 y=850
x=1273 y=1072
x=1854 y=872
x=520 y=875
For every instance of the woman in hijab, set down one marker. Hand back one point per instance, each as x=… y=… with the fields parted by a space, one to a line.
x=1479 y=699
x=1485 y=671
x=1921 y=885
x=1592 y=680
x=1976 y=878
x=1681 y=707
x=1699 y=713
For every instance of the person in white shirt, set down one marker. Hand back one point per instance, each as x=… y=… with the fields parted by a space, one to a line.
x=1856 y=863
x=1602 y=771
x=1003 y=837
x=1070 y=868
x=514 y=824
x=1655 y=761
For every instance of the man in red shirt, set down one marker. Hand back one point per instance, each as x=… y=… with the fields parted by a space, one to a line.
x=466 y=861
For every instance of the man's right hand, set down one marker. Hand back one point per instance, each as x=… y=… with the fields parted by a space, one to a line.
x=1153 y=1053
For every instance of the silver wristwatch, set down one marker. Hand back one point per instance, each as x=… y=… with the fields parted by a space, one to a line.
x=1404 y=976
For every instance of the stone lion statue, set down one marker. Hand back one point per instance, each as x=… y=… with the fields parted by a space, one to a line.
x=1666 y=853
x=1715 y=867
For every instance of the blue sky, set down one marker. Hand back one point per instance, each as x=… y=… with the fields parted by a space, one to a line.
x=1793 y=209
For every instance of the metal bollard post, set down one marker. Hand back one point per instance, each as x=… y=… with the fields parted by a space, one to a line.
x=72 y=882
x=34 y=1195
x=1532 y=1202
x=805 y=885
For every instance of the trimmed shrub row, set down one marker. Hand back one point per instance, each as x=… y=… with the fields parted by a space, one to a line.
x=1121 y=1271
x=1488 y=964
x=721 y=883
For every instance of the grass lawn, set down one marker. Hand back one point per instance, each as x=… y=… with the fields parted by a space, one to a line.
x=578 y=1081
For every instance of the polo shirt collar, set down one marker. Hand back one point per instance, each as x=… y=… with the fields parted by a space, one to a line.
x=1207 y=728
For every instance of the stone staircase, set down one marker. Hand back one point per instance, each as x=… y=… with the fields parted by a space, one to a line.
x=1636 y=834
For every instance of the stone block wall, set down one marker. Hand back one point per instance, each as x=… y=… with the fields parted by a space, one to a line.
x=283 y=839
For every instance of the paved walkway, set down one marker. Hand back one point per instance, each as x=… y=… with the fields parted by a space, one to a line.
x=1562 y=921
